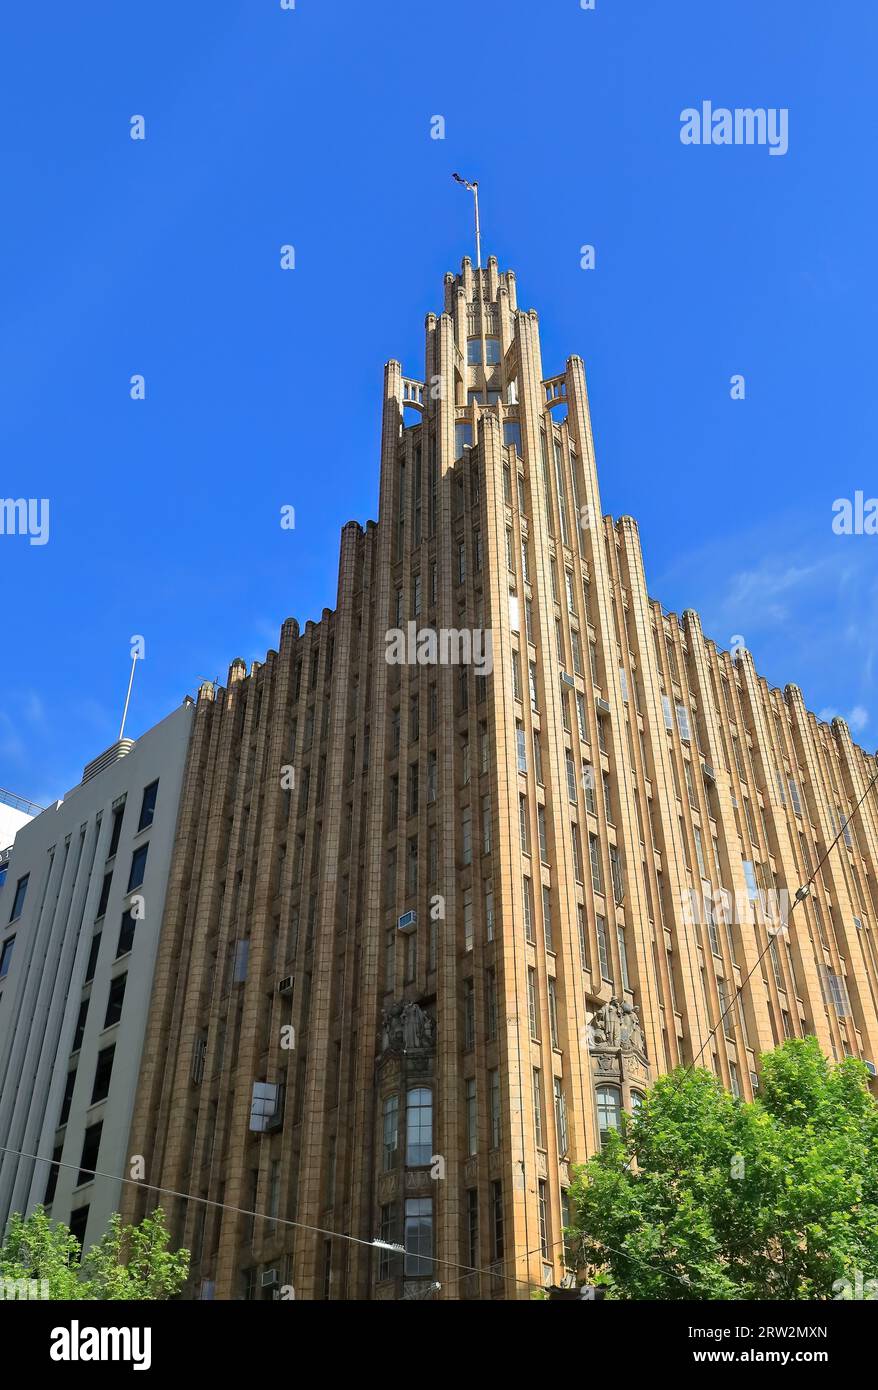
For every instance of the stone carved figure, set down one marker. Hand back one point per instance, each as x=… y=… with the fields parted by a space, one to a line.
x=406 y=1027
x=616 y=1025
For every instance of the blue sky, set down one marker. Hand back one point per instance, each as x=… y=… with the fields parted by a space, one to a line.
x=263 y=387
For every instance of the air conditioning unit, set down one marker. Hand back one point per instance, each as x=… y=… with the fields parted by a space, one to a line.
x=285 y=986
x=870 y=1067
x=567 y=679
x=754 y=1080
x=603 y=705
x=408 y=921
x=709 y=772
x=269 y=1278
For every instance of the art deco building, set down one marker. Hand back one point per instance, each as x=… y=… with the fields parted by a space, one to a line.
x=401 y=999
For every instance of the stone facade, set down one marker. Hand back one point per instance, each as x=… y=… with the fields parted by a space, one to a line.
x=489 y=912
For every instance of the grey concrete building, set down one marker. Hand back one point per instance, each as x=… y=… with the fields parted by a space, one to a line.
x=80 y=915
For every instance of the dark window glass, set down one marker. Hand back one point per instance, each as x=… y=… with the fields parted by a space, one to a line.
x=138 y=868
x=78 y=1222
x=90 y=1148
x=103 y=1072
x=6 y=956
x=114 y=1003
x=52 y=1180
x=80 y=1025
x=68 y=1097
x=126 y=935
x=492 y=352
x=147 y=806
x=93 y=957
x=18 y=900
x=116 y=831
x=105 y=894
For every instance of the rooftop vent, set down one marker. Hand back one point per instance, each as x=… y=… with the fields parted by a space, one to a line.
x=113 y=754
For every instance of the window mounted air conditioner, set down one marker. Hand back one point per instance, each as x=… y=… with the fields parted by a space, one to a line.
x=408 y=921
x=285 y=986
x=269 y=1278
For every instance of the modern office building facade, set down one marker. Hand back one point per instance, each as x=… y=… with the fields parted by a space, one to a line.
x=80 y=913
x=464 y=866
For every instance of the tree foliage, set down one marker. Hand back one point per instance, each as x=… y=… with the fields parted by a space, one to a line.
x=708 y=1197
x=129 y=1262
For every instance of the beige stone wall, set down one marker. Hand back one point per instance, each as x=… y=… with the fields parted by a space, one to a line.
x=305 y=877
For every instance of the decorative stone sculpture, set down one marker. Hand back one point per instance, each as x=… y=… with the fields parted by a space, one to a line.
x=406 y=1027
x=616 y=1026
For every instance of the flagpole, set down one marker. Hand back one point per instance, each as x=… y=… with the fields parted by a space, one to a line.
x=478 y=229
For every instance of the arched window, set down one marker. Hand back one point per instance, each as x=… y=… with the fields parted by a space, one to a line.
x=636 y=1101
x=609 y=1110
x=419 y=1126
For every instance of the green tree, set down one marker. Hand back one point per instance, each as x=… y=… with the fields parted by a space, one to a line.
x=129 y=1262
x=134 y=1262
x=44 y=1250
x=707 y=1197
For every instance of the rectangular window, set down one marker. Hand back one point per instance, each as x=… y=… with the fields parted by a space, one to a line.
x=547 y=918
x=18 y=900
x=538 y=1108
x=468 y=919
x=91 y=1145
x=472 y=1133
x=6 y=956
x=491 y=1003
x=541 y=825
x=603 y=947
x=524 y=837
x=544 y=1219
x=67 y=1100
x=623 y=956
x=571 y=776
x=583 y=939
x=463 y=437
x=103 y=1072
x=390 y=1124
x=466 y=828
x=469 y=1013
x=115 y=1000
x=419 y=1236
x=521 y=746
x=594 y=854
x=91 y=965
x=138 y=868
x=116 y=830
x=497 y=1243
x=553 y=1011
x=494 y=1097
x=561 y=1116
x=147 y=806
x=532 y=1001
x=683 y=723
x=79 y=1031
x=528 y=911
x=105 y=896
